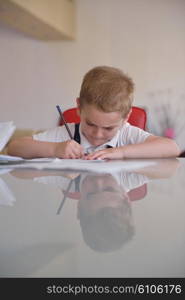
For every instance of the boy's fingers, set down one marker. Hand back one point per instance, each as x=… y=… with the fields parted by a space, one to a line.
x=73 y=156
x=78 y=152
x=96 y=155
x=103 y=154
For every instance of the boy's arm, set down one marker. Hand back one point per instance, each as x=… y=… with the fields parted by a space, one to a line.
x=152 y=147
x=27 y=147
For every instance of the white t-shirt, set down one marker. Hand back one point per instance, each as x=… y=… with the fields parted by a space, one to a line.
x=127 y=180
x=127 y=134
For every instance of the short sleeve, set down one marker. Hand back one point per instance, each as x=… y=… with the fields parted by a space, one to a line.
x=58 y=134
x=132 y=135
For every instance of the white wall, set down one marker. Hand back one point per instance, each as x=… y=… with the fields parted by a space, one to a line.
x=146 y=38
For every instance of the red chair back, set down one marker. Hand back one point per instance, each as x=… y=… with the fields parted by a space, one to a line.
x=71 y=116
x=135 y=194
x=138 y=193
x=137 y=117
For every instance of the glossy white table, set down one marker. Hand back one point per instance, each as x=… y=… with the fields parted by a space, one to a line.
x=41 y=237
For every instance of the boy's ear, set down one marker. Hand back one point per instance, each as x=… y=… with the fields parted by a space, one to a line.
x=128 y=116
x=78 y=106
x=78 y=102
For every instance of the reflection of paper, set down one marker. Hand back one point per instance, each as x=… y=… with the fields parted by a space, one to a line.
x=6 y=131
x=86 y=165
x=5 y=170
x=6 y=196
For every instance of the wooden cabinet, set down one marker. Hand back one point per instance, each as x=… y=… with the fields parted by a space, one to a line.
x=41 y=19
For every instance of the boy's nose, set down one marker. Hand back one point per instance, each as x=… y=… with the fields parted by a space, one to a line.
x=98 y=133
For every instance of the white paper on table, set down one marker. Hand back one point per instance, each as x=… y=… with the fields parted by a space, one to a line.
x=9 y=158
x=6 y=131
x=99 y=166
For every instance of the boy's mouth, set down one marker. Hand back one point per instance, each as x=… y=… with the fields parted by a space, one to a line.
x=96 y=142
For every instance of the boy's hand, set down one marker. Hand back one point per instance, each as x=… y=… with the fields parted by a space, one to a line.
x=111 y=153
x=68 y=149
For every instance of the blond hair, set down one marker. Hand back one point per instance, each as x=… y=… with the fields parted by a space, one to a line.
x=107 y=88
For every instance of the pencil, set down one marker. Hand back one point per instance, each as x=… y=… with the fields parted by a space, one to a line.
x=62 y=117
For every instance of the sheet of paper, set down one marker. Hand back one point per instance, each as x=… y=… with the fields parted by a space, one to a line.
x=9 y=158
x=99 y=166
x=6 y=131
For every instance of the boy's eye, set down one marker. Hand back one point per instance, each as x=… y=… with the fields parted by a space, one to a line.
x=89 y=124
x=109 y=128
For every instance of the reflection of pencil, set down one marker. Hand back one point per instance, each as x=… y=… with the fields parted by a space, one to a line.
x=65 y=196
x=61 y=115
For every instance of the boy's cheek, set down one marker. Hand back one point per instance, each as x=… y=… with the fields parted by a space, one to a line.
x=111 y=134
x=86 y=130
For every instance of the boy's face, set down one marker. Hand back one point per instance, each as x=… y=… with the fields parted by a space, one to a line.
x=99 y=191
x=97 y=126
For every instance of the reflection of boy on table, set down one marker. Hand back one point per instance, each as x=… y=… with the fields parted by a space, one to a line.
x=104 y=212
x=104 y=209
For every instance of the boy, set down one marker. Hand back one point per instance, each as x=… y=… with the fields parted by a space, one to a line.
x=104 y=106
